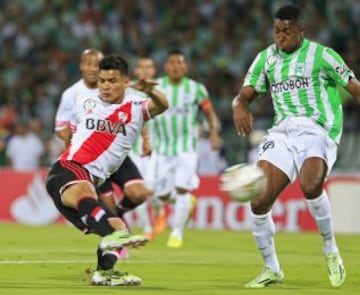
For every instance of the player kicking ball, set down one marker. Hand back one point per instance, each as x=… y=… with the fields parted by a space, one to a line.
x=107 y=127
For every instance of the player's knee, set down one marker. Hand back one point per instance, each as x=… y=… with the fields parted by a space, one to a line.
x=260 y=208
x=138 y=193
x=311 y=190
x=75 y=192
x=262 y=204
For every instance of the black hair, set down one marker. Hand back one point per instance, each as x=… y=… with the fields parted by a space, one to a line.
x=175 y=52
x=114 y=62
x=289 y=12
x=144 y=56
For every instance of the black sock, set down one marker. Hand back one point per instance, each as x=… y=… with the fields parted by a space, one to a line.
x=95 y=216
x=106 y=260
x=125 y=205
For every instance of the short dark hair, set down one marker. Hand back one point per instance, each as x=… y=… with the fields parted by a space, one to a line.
x=175 y=52
x=114 y=62
x=289 y=12
x=145 y=56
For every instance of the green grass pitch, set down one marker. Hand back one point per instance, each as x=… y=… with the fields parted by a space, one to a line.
x=53 y=259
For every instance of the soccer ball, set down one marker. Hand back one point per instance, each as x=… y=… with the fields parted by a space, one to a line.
x=243 y=182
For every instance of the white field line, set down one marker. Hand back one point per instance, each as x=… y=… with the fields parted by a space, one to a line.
x=5 y=262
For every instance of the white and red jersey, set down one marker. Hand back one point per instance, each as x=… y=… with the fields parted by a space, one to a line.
x=67 y=102
x=105 y=133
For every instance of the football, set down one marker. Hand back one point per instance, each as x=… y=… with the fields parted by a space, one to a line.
x=243 y=182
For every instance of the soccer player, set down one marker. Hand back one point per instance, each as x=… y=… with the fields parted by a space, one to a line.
x=141 y=152
x=108 y=124
x=301 y=76
x=175 y=140
x=128 y=178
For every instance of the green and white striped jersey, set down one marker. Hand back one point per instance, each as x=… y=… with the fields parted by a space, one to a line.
x=302 y=83
x=176 y=130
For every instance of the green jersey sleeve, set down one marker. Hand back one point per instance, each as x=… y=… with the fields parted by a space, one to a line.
x=201 y=93
x=255 y=77
x=336 y=68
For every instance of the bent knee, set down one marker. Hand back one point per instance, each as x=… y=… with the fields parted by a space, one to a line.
x=262 y=204
x=138 y=193
x=74 y=192
x=311 y=191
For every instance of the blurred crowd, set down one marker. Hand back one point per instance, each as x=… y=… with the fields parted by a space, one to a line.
x=41 y=42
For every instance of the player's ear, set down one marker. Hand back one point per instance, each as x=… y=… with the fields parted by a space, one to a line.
x=301 y=26
x=127 y=81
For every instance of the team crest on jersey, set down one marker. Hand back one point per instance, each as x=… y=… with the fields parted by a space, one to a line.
x=123 y=117
x=187 y=98
x=89 y=104
x=271 y=60
x=299 y=69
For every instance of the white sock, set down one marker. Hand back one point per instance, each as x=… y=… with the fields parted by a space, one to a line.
x=181 y=212
x=144 y=217
x=321 y=211
x=263 y=231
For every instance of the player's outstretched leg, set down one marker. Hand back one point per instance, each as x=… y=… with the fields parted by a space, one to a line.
x=120 y=239
x=263 y=232
x=320 y=210
x=114 y=277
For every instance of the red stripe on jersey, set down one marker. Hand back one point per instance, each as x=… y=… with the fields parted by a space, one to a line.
x=73 y=128
x=99 y=142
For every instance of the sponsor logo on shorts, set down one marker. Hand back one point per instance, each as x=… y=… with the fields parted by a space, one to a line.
x=268 y=145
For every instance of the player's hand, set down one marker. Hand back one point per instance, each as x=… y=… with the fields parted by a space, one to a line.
x=215 y=140
x=142 y=84
x=243 y=119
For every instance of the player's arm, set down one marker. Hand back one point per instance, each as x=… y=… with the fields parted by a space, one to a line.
x=254 y=84
x=354 y=88
x=243 y=119
x=158 y=102
x=146 y=145
x=212 y=120
x=63 y=117
x=65 y=135
x=340 y=72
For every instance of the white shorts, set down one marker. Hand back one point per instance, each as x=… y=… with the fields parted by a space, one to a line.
x=144 y=164
x=175 y=172
x=293 y=141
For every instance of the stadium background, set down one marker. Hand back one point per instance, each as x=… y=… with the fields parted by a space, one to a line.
x=41 y=42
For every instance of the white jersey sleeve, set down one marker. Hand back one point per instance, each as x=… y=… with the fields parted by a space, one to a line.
x=65 y=111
